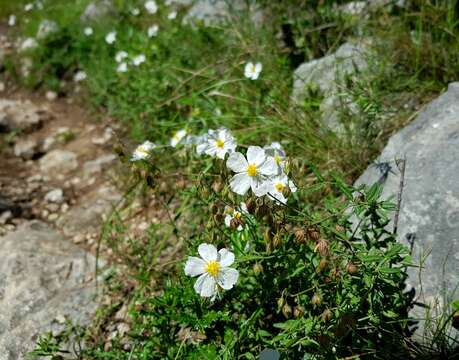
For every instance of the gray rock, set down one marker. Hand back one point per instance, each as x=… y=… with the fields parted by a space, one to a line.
x=20 y=116
x=90 y=213
x=26 y=148
x=328 y=73
x=43 y=278
x=95 y=166
x=58 y=161
x=98 y=9
x=55 y=196
x=430 y=204
x=214 y=11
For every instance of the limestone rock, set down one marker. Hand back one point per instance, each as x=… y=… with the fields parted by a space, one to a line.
x=211 y=11
x=97 y=165
x=98 y=9
x=42 y=276
x=327 y=73
x=429 y=215
x=20 y=115
x=89 y=214
x=27 y=148
x=55 y=196
x=58 y=161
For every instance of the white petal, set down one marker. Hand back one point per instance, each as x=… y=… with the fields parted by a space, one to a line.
x=243 y=208
x=256 y=155
x=259 y=187
x=292 y=186
x=269 y=167
x=227 y=278
x=205 y=285
x=258 y=68
x=277 y=196
x=237 y=162
x=226 y=257
x=240 y=183
x=194 y=266
x=208 y=252
x=228 y=219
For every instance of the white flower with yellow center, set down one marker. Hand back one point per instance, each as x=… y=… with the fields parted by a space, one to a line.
x=110 y=38
x=172 y=15
x=151 y=7
x=178 y=137
x=278 y=185
x=235 y=214
x=122 y=68
x=143 y=151
x=219 y=143
x=252 y=71
x=213 y=269
x=135 y=12
x=253 y=172
x=120 y=56
x=276 y=151
x=153 y=30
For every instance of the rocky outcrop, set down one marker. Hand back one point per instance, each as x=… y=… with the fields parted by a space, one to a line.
x=44 y=280
x=17 y=115
x=327 y=73
x=429 y=214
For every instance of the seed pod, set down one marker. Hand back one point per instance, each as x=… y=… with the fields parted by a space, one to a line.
x=322 y=265
x=340 y=228
x=313 y=234
x=218 y=218
x=204 y=192
x=236 y=222
x=316 y=299
x=214 y=208
x=277 y=240
x=300 y=236
x=262 y=211
x=267 y=236
x=287 y=311
x=334 y=273
x=352 y=268
x=326 y=315
x=257 y=268
x=298 y=311
x=322 y=247
x=251 y=205
x=217 y=186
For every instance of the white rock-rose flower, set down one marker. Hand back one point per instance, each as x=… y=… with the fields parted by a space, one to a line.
x=213 y=269
x=276 y=151
x=252 y=71
x=151 y=7
x=143 y=151
x=178 y=137
x=120 y=56
x=122 y=68
x=138 y=60
x=110 y=38
x=277 y=186
x=254 y=172
x=153 y=30
x=88 y=31
x=218 y=143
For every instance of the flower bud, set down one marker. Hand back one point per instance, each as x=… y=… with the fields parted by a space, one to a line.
x=204 y=192
x=300 y=236
x=217 y=186
x=251 y=205
x=340 y=228
x=313 y=234
x=287 y=310
x=214 y=208
x=257 y=268
x=322 y=265
x=316 y=299
x=326 y=315
x=352 y=268
x=236 y=222
x=277 y=240
x=298 y=311
x=322 y=247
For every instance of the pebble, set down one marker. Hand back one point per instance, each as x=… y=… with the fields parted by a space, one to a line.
x=5 y=216
x=53 y=217
x=51 y=95
x=79 y=238
x=55 y=196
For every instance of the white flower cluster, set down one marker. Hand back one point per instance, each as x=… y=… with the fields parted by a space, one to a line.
x=121 y=58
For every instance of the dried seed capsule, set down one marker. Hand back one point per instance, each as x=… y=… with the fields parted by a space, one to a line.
x=257 y=268
x=326 y=315
x=300 y=236
x=352 y=268
x=287 y=311
x=313 y=234
x=322 y=247
x=217 y=186
x=316 y=299
x=251 y=205
x=322 y=265
x=214 y=208
x=298 y=311
x=277 y=240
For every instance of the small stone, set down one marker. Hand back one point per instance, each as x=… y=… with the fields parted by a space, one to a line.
x=97 y=165
x=58 y=161
x=26 y=149
x=106 y=137
x=53 y=217
x=5 y=216
x=52 y=207
x=55 y=196
x=35 y=178
x=60 y=319
x=79 y=238
x=64 y=207
x=2 y=86
x=44 y=214
x=51 y=95
x=10 y=227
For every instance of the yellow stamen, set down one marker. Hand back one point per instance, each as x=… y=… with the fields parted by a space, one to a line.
x=142 y=150
x=254 y=69
x=252 y=170
x=220 y=143
x=237 y=215
x=277 y=159
x=279 y=187
x=213 y=268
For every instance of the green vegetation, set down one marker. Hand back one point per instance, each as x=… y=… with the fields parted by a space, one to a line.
x=310 y=284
